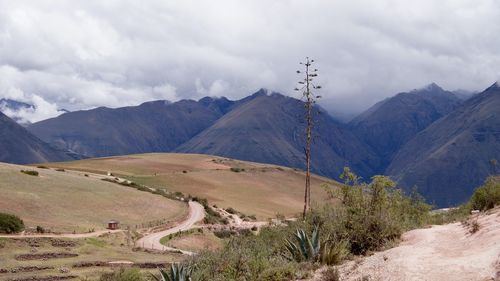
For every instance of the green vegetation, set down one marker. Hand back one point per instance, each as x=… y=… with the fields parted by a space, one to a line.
x=42 y=167
x=237 y=170
x=373 y=214
x=211 y=216
x=177 y=272
x=179 y=196
x=10 y=223
x=369 y=218
x=30 y=172
x=164 y=240
x=486 y=196
x=306 y=249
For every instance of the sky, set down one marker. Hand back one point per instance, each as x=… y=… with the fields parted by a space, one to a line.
x=82 y=54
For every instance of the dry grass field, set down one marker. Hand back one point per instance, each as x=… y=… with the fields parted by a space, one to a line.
x=251 y=188
x=195 y=241
x=67 y=202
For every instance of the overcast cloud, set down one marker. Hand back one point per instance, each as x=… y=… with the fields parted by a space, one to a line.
x=85 y=54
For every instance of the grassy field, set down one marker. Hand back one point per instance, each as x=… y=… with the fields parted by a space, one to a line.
x=251 y=188
x=92 y=254
x=67 y=202
x=195 y=241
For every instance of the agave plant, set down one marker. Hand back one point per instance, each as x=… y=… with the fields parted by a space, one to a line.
x=306 y=249
x=177 y=272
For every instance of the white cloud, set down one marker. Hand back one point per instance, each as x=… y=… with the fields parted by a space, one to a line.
x=83 y=54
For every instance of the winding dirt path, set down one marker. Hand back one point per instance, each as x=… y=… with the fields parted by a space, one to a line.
x=68 y=235
x=152 y=241
x=442 y=252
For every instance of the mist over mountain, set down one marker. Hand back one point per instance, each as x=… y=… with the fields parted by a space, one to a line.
x=11 y=107
x=157 y=126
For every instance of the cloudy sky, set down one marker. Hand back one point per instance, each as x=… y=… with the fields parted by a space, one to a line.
x=84 y=54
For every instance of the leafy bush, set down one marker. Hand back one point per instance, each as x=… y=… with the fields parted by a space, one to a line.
x=42 y=167
x=366 y=219
x=253 y=258
x=40 y=229
x=486 y=196
x=29 y=172
x=237 y=170
x=10 y=223
x=60 y=170
x=231 y=211
x=372 y=214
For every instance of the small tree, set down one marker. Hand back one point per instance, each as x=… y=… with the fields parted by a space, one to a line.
x=10 y=223
x=306 y=86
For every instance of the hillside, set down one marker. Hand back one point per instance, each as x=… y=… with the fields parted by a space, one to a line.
x=389 y=124
x=270 y=129
x=67 y=202
x=157 y=126
x=252 y=188
x=19 y=146
x=261 y=127
x=447 y=160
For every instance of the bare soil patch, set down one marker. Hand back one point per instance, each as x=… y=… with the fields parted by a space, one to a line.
x=45 y=256
x=46 y=278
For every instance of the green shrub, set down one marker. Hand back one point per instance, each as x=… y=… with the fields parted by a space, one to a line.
x=486 y=196
x=237 y=170
x=40 y=229
x=60 y=170
x=372 y=214
x=177 y=272
x=368 y=217
x=42 y=167
x=231 y=211
x=10 y=223
x=29 y=172
x=253 y=258
x=224 y=233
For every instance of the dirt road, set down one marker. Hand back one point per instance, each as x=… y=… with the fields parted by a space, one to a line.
x=152 y=241
x=444 y=252
x=77 y=235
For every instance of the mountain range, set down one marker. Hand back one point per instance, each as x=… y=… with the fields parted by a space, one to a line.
x=452 y=156
x=434 y=139
x=19 y=146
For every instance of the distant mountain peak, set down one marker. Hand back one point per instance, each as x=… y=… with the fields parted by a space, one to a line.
x=432 y=87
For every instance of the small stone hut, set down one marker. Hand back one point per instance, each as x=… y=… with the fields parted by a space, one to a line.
x=113 y=224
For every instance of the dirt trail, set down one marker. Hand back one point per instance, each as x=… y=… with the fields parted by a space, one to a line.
x=77 y=235
x=152 y=241
x=445 y=252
